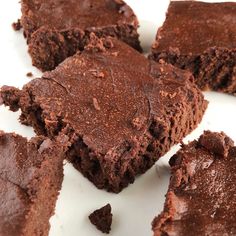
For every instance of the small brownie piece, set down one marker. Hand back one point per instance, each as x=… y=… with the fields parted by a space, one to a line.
x=201 y=37
x=102 y=219
x=56 y=29
x=122 y=111
x=202 y=190
x=31 y=174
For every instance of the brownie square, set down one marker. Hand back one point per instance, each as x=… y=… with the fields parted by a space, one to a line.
x=201 y=195
x=56 y=29
x=121 y=111
x=31 y=174
x=200 y=37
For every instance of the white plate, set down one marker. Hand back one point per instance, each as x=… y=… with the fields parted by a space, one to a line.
x=135 y=207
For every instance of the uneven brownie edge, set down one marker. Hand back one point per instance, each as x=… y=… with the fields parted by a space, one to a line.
x=32 y=184
x=102 y=219
x=118 y=167
x=48 y=46
x=198 y=201
x=212 y=67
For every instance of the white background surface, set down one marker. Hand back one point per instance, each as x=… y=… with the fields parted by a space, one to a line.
x=135 y=207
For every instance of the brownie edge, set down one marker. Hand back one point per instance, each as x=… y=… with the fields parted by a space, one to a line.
x=200 y=37
x=200 y=197
x=121 y=118
x=31 y=174
x=57 y=29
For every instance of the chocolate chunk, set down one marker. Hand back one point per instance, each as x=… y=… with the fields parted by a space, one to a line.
x=200 y=37
x=201 y=190
x=119 y=125
x=57 y=29
x=30 y=181
x=102 y=219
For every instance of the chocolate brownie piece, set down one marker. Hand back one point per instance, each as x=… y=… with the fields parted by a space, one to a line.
x=102 y=219
x=56 y=29
x=201 y=195
x=200 y=37
x=31 y=174
x=121 y=110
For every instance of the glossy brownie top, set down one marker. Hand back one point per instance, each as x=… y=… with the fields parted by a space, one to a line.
x=20 y=176
x=202 y=188
x=192 y=27
x=67 y=14
x=108 y=94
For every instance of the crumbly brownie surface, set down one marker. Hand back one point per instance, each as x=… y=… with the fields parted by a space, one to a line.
x=102 y=218
x=200 y=37
x=200 y=199
x=56 y=29
x=122 y=111
x=30 y=178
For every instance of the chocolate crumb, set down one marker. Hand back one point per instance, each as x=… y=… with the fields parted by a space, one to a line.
x=17 y=25
x=29 y=74
x=102 y=219
x=96 y=105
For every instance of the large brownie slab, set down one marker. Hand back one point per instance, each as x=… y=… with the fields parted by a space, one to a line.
x=200 y=37
x=121 y=110
x=31 y=174
x=56 y=29
x=200 y=199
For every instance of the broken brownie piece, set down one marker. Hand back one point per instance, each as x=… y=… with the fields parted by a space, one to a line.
x=200 y=199
x=102 y=219
x=200 y=37
x=31 y=174
x=56 y=29
x=121 y=111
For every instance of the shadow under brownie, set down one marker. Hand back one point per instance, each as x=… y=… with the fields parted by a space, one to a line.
x=201 y=195
x=56 y=29
x=121 y=111
x=31 y=174
x=200 y=37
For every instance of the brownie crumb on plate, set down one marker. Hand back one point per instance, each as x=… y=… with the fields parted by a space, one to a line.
x=102 y=219
x=31 y=174
x=200 y=198
x=57 y=29
x=200 y=37
x=17 y=25
x=120 y=122
x=29 y=74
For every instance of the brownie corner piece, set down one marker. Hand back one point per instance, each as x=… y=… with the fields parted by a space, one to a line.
x=31 y=174
x=120 y=118
x=200 y=37
x=57 y=29
x=201 y=189
x=102 y=218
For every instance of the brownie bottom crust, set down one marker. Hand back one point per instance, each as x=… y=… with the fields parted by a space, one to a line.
x=200 y=198
x=214 y=69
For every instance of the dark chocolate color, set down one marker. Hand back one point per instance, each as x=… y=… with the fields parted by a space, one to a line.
x=102 y=219
x=30 y=178
x=56 y=29
x=200 y=37
x=121 y=110
x=200 y=199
